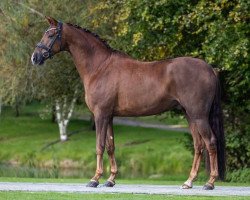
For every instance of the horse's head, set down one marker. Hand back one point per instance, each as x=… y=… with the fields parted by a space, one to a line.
x=50 y=44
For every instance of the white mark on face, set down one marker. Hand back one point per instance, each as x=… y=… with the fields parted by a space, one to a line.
x=32 y=59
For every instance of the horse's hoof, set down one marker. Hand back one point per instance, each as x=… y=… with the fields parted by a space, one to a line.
x=208 y=186
x=109 y=184
x=185 y=186
x=92 y=183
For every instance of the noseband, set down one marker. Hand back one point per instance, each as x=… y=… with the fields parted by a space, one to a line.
x=48 y=53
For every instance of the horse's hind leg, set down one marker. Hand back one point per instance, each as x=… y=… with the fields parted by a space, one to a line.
x=210 y=142
x=203 y=129
x=110 y=147
x=198 y=148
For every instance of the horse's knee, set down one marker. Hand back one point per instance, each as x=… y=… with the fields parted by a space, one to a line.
x=100 y=150
x=110 y=150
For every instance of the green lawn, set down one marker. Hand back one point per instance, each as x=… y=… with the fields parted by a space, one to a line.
x=140 y=152
x=74 y=196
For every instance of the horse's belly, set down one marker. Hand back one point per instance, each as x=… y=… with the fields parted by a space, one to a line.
x=144 y=107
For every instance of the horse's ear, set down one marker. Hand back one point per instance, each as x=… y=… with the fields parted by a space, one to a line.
x=51 y=21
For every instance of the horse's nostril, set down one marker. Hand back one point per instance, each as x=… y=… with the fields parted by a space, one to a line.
x=34 y=58
x=37 y=58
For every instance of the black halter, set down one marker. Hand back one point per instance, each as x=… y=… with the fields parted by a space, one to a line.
x=48 y=53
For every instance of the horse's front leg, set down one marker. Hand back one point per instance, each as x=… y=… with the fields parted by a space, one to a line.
x=110 y=147
x=101 y=132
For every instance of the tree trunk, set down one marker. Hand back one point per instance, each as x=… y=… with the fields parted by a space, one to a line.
x=53 y=114
x=92 y=122
x=63 y=131
x=60 y=122
x=64 y=110
x=17 y=110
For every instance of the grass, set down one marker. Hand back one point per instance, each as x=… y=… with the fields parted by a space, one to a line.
x=74 y=196
x=140 y=152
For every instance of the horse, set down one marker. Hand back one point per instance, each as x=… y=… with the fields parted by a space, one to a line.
x=115 y=84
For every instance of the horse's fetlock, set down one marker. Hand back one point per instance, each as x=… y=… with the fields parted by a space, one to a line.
x=193 y=176
x=114 y=171
x=214 y=175
x=99 y=172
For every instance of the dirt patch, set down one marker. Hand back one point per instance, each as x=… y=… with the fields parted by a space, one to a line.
x=136 y=142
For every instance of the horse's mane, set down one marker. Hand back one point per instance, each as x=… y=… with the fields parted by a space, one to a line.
x=93 y=34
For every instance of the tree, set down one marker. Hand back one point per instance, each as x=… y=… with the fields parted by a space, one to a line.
x=16 y=74
x=21 y=27
x=60 y=86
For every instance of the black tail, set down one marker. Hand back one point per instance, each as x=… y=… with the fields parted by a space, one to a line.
x=216 y=123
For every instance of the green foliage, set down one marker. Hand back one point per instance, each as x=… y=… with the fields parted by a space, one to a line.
x=22 y=26
x=238 y=148
x=15 y=72
x=242 y=176
x=58 y=80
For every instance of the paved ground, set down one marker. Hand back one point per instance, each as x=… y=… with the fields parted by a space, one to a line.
x=135 y=122
x=120 y=188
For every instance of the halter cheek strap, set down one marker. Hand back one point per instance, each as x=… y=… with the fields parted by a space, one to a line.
x=48 y=50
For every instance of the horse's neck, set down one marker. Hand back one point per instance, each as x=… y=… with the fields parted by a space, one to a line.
x=88 y=53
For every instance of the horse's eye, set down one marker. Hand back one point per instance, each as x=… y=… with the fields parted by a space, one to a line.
x=51 y=35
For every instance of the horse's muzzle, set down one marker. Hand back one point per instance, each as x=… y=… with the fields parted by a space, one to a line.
x=37 y=58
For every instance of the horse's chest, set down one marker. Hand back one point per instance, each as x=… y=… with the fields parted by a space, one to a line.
x=91 y=96
x=89 y=99
x=88 y=103
x=99 y=99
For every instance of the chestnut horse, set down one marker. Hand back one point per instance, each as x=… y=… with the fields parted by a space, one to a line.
x=117 y=85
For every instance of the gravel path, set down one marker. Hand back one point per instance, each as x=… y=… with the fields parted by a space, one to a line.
x=133 y=121
x=121 y=188
x=137 y=123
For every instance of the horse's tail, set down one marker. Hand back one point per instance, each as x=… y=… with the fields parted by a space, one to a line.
x=216 y=123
